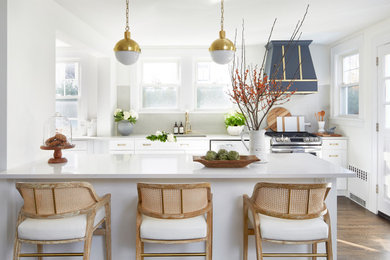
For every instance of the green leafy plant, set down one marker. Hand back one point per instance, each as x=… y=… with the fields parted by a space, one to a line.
x=234 y=119
x=162 y=137
x=130 y=116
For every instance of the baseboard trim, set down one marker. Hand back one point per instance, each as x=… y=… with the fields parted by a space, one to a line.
x=383 y=215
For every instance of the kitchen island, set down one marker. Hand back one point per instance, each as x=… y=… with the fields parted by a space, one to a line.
x=119 y=174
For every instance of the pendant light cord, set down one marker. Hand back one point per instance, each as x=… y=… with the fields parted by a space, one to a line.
x=127 y=16
x=222 y=11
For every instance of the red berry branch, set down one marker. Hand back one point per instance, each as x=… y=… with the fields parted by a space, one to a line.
x=255 y=92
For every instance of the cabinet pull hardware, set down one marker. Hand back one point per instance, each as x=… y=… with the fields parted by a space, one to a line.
x=333 y=155
x=333 y=144
x=121 y=145
x=146 y=144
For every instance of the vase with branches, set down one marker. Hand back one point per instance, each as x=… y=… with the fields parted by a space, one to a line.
x=255 y=93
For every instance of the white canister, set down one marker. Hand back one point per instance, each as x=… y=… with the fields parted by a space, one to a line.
x=321 y=126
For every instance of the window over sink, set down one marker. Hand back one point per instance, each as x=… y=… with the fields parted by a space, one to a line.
x=212 y=83
x=160 y=84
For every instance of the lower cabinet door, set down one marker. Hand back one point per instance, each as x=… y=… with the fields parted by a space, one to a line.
x=337 y=157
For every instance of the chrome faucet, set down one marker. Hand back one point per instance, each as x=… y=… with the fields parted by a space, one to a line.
x=187 y=125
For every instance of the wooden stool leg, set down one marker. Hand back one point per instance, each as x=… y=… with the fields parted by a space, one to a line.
x=142 y=249
x=259 y=248
x=87 y=247
x=138 y=249
x=107 y=225
x=328 y=243
x=40 y=250
x=245 y=233
x=314 y=250
x=209 y=241
x=17 y=246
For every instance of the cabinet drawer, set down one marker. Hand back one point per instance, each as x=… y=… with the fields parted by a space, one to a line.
x=337 y=157
x=121 y=145
x=334 y=144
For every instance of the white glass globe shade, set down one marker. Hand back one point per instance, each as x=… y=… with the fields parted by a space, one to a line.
x=222 y=56
x=127 y=57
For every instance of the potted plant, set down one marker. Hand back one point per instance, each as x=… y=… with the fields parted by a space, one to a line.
x=235 y=123
x=126 y=120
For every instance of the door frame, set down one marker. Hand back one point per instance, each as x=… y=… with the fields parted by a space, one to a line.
x=378 y=41
x=380 y=134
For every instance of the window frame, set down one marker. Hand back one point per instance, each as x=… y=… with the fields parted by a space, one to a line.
x=342 y=85
x=76 y=98
x=142 y=85
x=196 y=85
x=338 y=52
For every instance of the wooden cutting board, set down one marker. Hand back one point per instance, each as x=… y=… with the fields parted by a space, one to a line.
x=273 y=114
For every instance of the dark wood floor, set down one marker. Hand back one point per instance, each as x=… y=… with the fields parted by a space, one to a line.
x=361 y=234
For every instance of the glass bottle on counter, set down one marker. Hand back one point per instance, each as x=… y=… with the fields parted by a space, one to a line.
x=175 y=129
x=181 y=128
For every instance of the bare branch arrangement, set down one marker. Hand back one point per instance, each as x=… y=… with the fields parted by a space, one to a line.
x=255 y=92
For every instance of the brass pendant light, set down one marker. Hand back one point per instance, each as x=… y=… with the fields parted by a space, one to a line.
x=127 y=50
x=222 y=49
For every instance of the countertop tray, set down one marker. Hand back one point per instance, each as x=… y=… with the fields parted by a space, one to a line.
x=244 y=161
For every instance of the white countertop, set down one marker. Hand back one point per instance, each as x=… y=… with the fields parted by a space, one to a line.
x=147 y=166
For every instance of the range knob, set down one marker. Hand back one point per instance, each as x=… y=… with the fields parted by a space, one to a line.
x=306 y=139
x=278 y=139
x=286 y=140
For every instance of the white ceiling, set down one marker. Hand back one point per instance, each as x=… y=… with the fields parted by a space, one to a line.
x=196 y=22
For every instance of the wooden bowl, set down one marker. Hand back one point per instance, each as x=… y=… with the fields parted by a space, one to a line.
x=244 y=161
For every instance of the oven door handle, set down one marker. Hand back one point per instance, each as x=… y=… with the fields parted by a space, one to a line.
x=294 y=150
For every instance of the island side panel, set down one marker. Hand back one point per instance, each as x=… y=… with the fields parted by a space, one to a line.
x=227 y=197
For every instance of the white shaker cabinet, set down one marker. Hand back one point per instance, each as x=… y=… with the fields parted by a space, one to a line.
x=197 y=146
x=334 y=150
x=121 y=146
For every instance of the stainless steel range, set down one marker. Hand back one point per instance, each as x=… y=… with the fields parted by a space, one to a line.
x=295 y=142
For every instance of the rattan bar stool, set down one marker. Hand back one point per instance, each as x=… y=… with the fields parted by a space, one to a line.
x=174 y=214
x=288 y=214
x=59 y=213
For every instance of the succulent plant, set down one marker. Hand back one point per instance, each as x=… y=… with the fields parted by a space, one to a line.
x=211 y=155
x=233 y=155
x=223 y=156
x=222 y=151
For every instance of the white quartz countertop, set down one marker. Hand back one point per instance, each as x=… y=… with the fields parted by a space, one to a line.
x=147 y=166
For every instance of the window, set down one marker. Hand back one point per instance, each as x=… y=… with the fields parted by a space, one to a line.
x=211 y=83
x=68 y=89
x=349 y=85
x=160 y=84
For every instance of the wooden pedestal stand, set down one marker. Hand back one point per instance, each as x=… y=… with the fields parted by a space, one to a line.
x=57 y=155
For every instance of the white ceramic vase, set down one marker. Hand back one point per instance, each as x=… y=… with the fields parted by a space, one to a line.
x=125 y=128
x=257 y=144
x=235 y=130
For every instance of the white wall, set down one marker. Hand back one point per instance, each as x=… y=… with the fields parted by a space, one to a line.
x=30 y=77
x=3 y=84
x=362 y=137
x=31 y=70
x=305 y=105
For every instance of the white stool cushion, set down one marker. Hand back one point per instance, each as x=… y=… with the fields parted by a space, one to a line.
x=291 y=229
x=57 y=229
x=173 y=229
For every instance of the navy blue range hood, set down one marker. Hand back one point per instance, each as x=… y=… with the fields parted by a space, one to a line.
x=296 y=65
